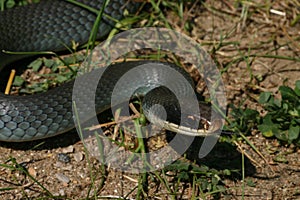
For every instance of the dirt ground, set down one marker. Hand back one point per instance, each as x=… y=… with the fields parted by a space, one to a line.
x=231 y=32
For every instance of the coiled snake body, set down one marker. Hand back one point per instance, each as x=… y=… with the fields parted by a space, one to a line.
x=42 y=27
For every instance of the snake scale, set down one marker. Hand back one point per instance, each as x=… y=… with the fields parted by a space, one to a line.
x=46 y=26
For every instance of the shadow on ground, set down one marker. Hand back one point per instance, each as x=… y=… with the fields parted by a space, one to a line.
x=62 y=140
x=223 y=156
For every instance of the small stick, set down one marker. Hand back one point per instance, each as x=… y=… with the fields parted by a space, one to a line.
x=10 y=80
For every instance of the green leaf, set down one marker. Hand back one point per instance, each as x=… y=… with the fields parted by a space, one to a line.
x=178 y=165
x=36 y=64
x=265 y=130
x=38 y=87
x=298 y=142
x=264 y=97
x=22 y=3
x=56 y=64
x=285 y=107
x=288 y=93
x=10 y=3
x=282 y=135
x=294 y=112
x=183 y=175
x=18 y=81
x=48 y=62
x=297 y=88
x=61 y=78
x=296 y=121
x=277 y=103
x=70 y=60
x=251 y=114
x=268 y=128
x=293 y=133
x=215 y=179
x=204 y=184
x=200 y=169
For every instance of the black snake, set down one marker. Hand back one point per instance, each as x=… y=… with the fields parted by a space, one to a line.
x=46 y=26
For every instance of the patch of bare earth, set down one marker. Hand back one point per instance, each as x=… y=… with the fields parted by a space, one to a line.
x=263 y=32
x=240 y=37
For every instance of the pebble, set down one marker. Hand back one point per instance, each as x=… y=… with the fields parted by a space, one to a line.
x=69 y=149
x=62 y=192
x=62 y=157
x=32 y=171
x=78 y=157
x=63 y=178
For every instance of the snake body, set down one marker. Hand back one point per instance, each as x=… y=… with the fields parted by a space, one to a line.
x=52 y=24
x=48 y=26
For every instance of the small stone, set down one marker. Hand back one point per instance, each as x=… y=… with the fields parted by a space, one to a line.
x=69 y=149
x=32 y=171
x=62 y=157
x=62 y=192
x=68 y=167
x=78 y=157
x=58 y=164
x=63 y=178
